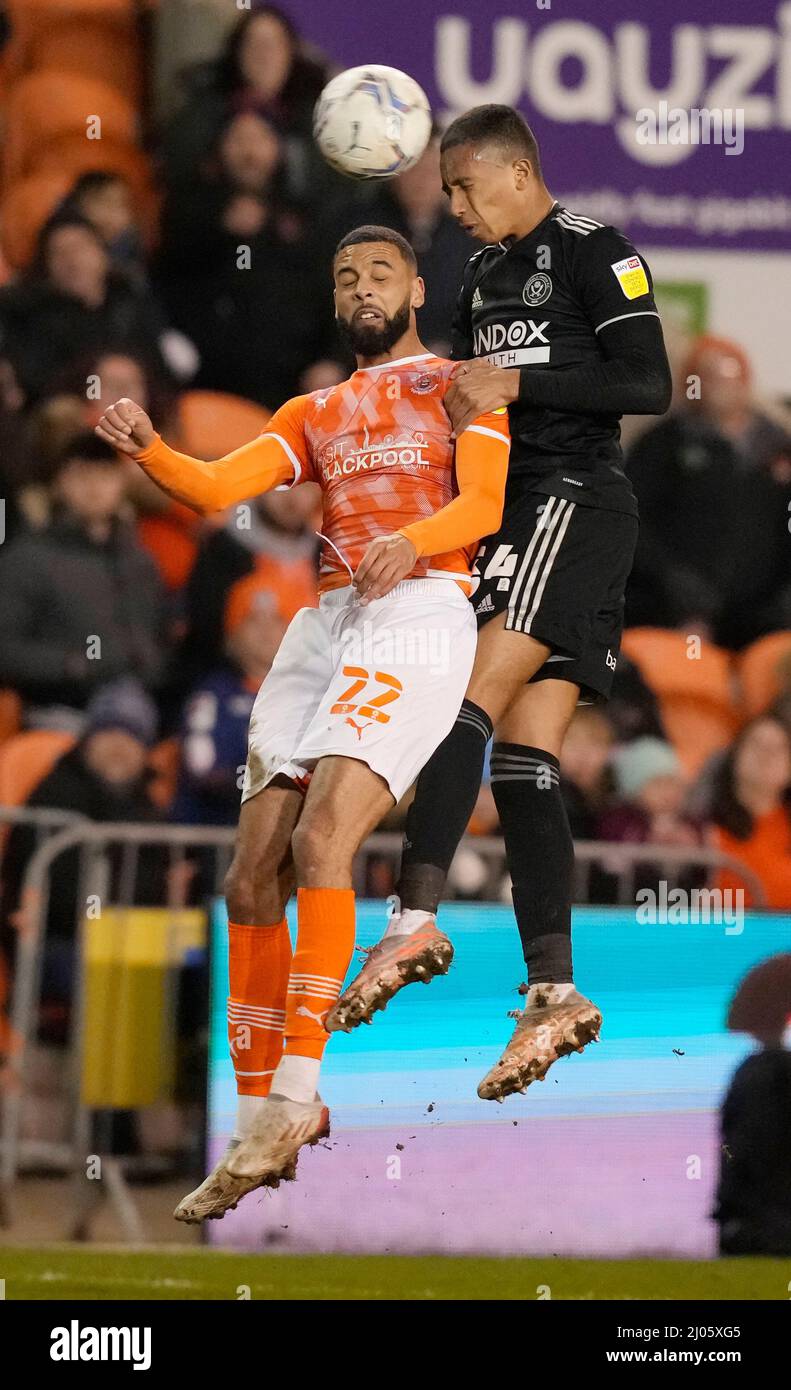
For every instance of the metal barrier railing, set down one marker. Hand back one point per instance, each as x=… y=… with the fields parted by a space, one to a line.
x=59 y=833
x=619 y=862
x=89 y=840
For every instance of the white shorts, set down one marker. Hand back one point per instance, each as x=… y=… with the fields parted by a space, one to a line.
x=381 y=683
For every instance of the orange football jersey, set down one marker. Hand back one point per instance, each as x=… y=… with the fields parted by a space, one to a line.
x=379 y=446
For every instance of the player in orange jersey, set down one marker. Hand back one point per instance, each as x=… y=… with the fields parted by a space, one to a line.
x=362 y=691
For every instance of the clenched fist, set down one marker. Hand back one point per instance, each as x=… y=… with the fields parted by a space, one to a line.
x=126 y=426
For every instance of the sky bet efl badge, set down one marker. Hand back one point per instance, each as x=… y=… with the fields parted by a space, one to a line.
x=631 y=277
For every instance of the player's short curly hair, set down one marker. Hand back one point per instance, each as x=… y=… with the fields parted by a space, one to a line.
x=374 y=233
x=494 y=125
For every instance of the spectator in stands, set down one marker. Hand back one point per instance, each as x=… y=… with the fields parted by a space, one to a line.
x=633 y=709
x=233 y=199
x=103 y=778
x=781 y=707
x=243 y=274
x=713 y=482
x=264 y=68
x=415 y=205
x=167 y=530
x=753 y=1208
x=214 y=730
x=652 y=790
x=14 y=451
x=73 y=303
x=751 y=809
x=111 y=375
x=321 y=375
x=272 y=537
x=586 y=780
x=649 y=809
x=82 y=603
x=54 y=422
x=105 y=199
x=82 y=388
x=96 y=379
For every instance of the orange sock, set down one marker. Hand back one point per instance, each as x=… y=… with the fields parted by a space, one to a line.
x=259 y=962
x=325 y=942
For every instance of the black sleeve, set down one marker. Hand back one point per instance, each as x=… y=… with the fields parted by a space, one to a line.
x=633 y=375
x=461 y=345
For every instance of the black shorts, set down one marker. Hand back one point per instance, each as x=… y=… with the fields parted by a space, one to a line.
x=558 y=570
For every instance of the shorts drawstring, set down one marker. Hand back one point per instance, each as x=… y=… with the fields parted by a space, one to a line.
x=343 y=561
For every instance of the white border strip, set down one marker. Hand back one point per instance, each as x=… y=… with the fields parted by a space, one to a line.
x=640 y=314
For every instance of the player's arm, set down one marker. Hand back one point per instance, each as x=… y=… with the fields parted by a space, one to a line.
x=277 y=456
x=632 y=375
x=481 y=470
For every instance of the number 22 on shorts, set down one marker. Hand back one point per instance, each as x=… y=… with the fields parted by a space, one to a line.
x=348 y=702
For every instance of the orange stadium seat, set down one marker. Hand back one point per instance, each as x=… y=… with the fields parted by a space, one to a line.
x=171 y=539
x=43 y=11
x=89 y=47
x=25 y=208
x=32 y=18
x=45 y=105
x=758 y=669
x=212 y=423
x=694 y=687
x=10 y=714
x=164 y=761
x=671 y=664
x=73 y=155
x=697 y=727
x=25 y=760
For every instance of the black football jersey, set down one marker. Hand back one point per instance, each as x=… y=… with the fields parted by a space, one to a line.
x=542 y=302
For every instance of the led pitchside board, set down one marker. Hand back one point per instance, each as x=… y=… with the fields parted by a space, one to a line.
x=616 y=1153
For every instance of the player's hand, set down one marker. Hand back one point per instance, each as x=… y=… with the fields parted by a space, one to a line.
x=126 y=426
x=476 y=388
x=387 y=561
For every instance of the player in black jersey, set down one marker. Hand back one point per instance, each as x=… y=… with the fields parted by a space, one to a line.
x=557 y=323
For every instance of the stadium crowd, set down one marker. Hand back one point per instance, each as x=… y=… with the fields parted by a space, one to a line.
x=133 y=635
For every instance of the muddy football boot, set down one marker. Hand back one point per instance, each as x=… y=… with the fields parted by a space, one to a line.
x=552 y=1024
x=220 y=1192
x=281 y=1129
x=397 y=960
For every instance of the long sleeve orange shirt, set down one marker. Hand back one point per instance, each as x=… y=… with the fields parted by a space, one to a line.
x=379 y=447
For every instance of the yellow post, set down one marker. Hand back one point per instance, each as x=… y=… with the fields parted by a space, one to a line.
x=128 y=1042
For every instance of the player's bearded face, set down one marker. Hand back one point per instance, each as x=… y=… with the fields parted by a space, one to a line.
x=370 y=338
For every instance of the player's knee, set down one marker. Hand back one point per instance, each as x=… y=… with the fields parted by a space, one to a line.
x=308 y=847
x=318 y=851
x=240 y=895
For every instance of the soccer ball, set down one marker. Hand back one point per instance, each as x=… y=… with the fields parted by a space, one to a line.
x=372 y=122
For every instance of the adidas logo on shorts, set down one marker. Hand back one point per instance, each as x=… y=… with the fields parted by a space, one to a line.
x=477 y=301
x=486 y=605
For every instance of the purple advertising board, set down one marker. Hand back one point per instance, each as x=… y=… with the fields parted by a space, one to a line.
x=592 y=79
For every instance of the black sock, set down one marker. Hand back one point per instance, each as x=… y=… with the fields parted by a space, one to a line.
x=540 y=851
x=445 y=797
